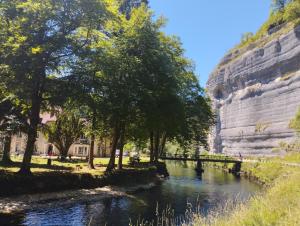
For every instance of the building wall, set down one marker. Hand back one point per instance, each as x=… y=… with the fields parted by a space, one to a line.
x=80 y=149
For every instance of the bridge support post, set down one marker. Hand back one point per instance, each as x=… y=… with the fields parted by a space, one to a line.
x=199 y=167
x=237 y=168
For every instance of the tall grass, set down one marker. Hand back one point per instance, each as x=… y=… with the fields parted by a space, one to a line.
x=280 y=205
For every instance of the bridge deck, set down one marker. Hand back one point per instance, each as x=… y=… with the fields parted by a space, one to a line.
x=203 y=158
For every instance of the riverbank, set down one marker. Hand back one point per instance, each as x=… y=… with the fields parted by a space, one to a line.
x=14 y=184
x=278 y=205
x=21 y=203
x=63 y=176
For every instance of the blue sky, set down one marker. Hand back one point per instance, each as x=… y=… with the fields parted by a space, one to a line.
x=209 y=28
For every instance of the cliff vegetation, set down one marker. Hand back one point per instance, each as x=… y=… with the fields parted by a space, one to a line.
x=284 y=16
x=283 y=13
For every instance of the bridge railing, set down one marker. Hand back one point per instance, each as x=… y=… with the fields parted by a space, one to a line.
x=187 y=156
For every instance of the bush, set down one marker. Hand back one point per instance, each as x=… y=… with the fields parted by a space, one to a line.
x=295 y=123
x=292 y=11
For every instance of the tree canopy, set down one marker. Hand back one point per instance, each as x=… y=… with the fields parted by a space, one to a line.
x=130 y=80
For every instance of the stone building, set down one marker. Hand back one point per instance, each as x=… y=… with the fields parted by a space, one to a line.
x=80 y=148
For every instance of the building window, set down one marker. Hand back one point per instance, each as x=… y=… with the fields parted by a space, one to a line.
x=17 y=147
x=80 y=150
x=82 y=136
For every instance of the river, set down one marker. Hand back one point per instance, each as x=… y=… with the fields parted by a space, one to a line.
x=184 y=189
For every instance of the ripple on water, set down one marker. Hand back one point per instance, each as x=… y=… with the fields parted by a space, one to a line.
x=183 y=186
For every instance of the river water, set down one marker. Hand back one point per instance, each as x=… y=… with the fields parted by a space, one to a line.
x=183 y=190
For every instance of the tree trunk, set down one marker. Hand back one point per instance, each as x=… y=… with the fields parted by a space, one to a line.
x=120 y=165
x=63 y=156
x=105 y=147
x=6 y=152
x=163 y=143
x=116 y=136
x=151 y=147
x=91 y=151
x=156 y=148
x=39 y=82
x=31 y=138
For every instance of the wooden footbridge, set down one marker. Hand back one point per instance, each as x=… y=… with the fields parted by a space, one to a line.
x=206 y=158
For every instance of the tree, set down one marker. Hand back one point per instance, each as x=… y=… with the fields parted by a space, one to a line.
x=113 y=69
x=38 y=40
x=279 y=5
x=12 y=120
x=67 y=129
x=149 y=88
x=295 y=123
x=8 y=127
x=126 y=6
x=292 y=10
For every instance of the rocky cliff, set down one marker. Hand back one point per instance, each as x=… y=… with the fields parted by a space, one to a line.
x=254 y=95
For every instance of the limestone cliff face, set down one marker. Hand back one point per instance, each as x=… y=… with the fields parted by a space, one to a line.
x=255 y=95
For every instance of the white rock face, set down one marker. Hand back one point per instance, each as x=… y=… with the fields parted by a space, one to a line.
x=255 y=96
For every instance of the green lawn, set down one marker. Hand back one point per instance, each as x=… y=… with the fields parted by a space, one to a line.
x=39 y=164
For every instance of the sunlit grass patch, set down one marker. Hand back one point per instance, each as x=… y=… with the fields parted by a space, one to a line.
x=39 y=164
x=280 y=205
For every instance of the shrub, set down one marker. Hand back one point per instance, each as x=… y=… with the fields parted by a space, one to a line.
x=295 y=123
x=289 y=14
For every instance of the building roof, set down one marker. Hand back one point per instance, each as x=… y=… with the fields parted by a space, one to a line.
x=47 y=117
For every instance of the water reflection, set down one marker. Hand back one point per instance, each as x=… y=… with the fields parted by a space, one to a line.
x=210 y=189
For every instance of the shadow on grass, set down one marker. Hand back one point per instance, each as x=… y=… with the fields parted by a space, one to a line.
x=34 y=166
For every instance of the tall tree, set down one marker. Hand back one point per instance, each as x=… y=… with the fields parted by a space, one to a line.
x=114 y=80
x=38 y=39
x=64 y=131
x=12 y=120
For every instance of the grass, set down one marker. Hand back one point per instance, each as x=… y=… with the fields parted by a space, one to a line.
x=278 y=205
x=39 y=165
x=65 y=175
x=292 y=157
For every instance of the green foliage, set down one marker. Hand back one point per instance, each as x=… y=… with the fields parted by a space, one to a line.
x=129 y=80
x=246 y=37
x=261 y=127
x=289 y=147
x=279 y=5
x=67 y=129
x=282 y=12
x=295 y=123
x=292 y=11
x=38 y=41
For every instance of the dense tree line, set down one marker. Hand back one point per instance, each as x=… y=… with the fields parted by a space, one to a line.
x=110 y=60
